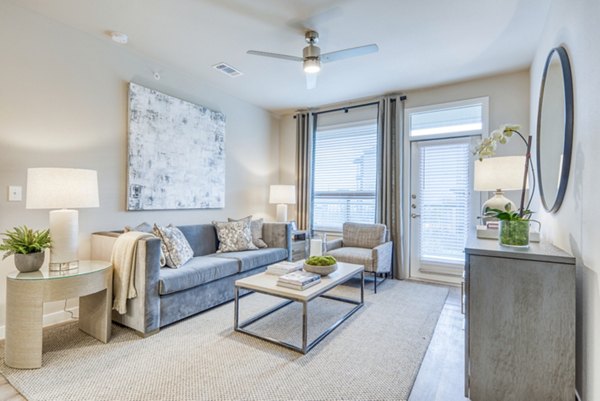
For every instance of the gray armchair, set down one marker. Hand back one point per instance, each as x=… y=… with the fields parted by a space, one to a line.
x=364 y=244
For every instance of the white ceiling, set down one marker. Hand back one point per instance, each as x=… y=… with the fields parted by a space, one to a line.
x=421 y=42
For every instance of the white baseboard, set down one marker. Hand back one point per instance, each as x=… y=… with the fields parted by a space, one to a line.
x=50 y=319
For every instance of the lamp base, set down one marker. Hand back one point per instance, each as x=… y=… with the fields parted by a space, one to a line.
x=64 y=231
x=498 y=201
x=63 y=266
x=282 y=212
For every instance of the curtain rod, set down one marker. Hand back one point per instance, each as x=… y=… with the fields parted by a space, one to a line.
x=346 y=108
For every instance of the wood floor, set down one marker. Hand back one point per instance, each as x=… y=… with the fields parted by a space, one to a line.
x=8 y=392
x=440 y=377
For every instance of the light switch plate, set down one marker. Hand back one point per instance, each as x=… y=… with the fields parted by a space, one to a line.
x=15 y=193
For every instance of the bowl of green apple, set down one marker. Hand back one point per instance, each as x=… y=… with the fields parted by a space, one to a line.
x=322 y=265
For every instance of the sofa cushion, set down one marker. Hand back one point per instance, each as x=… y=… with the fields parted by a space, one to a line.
x=197 y=271
x=251 y=259
x=359 y=256
x=362 y=235
x=202 y=238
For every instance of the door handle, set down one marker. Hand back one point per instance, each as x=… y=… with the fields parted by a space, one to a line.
x=414 y=215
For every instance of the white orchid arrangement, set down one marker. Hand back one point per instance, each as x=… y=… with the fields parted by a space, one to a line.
x=487 y=146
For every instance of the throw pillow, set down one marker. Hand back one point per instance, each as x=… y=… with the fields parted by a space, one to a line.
x=256 y=227
x=234 y=236
x=175 y=246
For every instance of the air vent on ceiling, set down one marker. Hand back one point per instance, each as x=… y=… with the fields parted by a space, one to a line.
x=227 y=69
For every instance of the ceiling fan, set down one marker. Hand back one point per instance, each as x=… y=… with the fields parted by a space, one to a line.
x=312 y=57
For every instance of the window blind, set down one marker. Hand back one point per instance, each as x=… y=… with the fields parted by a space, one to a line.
x=444 y=191
x=345 y=175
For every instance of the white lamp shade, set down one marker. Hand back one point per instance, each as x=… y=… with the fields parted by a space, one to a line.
x=61 y=188
x=282 y=194
x=499 y=173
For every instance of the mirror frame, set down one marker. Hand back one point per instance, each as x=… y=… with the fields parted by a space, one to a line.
x=568 y=129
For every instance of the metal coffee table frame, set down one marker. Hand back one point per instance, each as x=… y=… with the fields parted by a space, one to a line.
x=306 y=346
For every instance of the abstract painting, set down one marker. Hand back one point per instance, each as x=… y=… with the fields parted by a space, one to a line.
x=176 y=153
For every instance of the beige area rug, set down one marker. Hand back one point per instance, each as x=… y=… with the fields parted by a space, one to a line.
x=374 y=355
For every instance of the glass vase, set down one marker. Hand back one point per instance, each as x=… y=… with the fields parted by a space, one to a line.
x=514 y=233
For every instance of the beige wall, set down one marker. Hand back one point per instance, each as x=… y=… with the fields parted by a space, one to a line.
x=508 y=103
x=63 y=103
x=576 y=226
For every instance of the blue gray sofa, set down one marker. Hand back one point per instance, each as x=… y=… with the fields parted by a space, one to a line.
x=165 y=295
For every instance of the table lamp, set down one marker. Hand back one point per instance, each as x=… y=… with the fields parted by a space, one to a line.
x=497 y=174
x=64 y=189
x=282 y=195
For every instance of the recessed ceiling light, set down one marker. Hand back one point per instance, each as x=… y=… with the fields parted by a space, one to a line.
x=119 y=37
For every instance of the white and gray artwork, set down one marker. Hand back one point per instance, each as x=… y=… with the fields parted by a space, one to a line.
x=176 y=154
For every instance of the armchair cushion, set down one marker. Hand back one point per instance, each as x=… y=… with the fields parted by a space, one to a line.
x=378 y=259
x=359 y=256
x=361 y=235
x=334 y=244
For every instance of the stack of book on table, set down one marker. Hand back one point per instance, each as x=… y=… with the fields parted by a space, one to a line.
x=299 y=280
x=281 y=268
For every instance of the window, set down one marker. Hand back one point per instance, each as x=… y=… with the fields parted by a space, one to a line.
x=448 y=120
x=345 y=169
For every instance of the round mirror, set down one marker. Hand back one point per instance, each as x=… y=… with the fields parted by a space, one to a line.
x=555 y=129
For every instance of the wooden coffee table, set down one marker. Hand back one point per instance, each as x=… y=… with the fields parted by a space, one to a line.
x=267 y=284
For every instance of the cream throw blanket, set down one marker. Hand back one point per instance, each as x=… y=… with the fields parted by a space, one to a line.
x=123 y=260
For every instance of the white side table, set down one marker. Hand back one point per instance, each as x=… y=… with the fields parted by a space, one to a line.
x=25 y=297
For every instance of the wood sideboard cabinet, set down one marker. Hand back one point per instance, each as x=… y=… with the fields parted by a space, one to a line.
x=520 y=323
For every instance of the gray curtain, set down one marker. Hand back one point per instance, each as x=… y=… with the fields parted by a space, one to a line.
x=304 y=162
x=390 y=209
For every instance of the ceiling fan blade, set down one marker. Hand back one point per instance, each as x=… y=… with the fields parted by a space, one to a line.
x=311 y=81
x=275 y=55
x=347 y=53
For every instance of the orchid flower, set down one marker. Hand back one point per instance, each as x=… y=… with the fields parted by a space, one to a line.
x=487 y=146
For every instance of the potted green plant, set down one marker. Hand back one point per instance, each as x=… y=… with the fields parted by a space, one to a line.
x=27 y=246
x=514 y=226
x=322 y=265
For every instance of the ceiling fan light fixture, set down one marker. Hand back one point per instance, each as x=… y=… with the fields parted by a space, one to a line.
x=312 y=65
x=119 y=37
